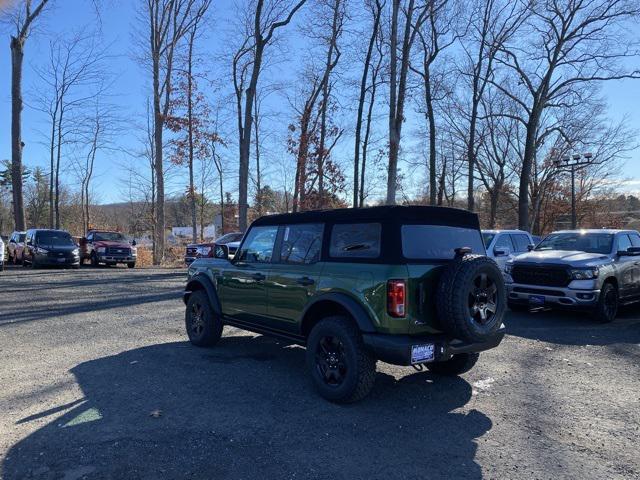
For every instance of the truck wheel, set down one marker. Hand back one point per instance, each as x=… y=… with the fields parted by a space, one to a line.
x=471 y=298
x=456 y=365
x=341 y=369
x=94 y=260
x=131 y=264
x=204 y=327
x=607 y=306
x=1 y=266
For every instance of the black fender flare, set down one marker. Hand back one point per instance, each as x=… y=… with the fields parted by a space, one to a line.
x=357 y=311
x=201 y=282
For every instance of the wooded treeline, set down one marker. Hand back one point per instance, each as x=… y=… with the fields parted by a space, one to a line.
x=287 y=105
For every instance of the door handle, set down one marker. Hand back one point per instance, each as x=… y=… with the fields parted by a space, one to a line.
x=258 y=277
x=306 y=281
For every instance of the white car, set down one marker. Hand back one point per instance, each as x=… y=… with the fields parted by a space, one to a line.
x=503 y=245
x=1 y=255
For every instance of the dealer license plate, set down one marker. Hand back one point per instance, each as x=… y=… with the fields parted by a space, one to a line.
x=61 y=260
x=422 y=353
x=537 y=300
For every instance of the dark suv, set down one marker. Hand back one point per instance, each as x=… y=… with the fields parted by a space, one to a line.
x=405 y=285
x=50 y=248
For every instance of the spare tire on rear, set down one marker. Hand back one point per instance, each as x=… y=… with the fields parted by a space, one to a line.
x=471 y=298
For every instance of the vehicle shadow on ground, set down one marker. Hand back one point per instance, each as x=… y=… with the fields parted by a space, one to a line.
x=575 y=328
x=245 y=410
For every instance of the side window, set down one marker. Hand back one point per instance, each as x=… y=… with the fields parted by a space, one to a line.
x=635 y=239
x=258 y=246
x=623 y=243
x=357 y=240
x=521 y=242
x=90 y=237
x=301 y=244
x=504 y=241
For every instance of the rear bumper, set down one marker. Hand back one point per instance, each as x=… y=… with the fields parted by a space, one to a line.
x=396 y=349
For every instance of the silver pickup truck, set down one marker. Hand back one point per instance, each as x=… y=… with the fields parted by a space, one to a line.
x=591 y=270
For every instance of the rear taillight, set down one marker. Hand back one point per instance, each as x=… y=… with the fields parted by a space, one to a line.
x=396 y=298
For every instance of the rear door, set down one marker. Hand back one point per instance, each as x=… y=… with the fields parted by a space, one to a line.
x=242 y=288
x=294 y=275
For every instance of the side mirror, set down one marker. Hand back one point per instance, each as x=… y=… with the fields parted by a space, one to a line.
x=531 y=247
x=501 y=251
x=221 y=252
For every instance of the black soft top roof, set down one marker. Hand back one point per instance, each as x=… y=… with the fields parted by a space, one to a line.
x=413 y=214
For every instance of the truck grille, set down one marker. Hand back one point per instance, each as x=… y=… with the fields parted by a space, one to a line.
x=540 y=275
x=118 y=251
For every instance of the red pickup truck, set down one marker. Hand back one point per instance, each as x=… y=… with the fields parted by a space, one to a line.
x=109 y=248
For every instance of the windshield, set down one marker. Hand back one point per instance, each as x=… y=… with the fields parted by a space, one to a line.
x=108 y=237
x=54 y=239
x=488 y=238
x=580 y=242
x=229 y=237
x=437 y=242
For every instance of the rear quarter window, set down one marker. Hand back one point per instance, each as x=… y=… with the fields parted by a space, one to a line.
x=355 y=240
x=438 y=242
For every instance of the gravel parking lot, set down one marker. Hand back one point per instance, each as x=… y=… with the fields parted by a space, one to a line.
x=98 y=382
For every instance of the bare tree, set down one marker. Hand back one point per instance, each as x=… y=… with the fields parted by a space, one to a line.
x=569 y=44
x=376 y=13
x=492 y=23
x=398 y=82
x=74 y=78
x=22 y=17
x=168 y=21
x=268 y=17
x=437 y=35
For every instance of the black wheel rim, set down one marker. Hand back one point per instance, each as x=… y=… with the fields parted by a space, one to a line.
x=483 y=299
x=610 y=303
x=331 y=363
x=196 y=319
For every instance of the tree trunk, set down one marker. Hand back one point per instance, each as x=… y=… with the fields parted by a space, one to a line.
x=525 y=176
x=52 y=148
x=432 y=139
x=17 y=57
x=56 y=202
x=158 y=123
x=192 y=189
x=357 y=185
x=471 y=157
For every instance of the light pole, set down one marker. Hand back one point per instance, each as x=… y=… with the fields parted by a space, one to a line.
x=572 y=164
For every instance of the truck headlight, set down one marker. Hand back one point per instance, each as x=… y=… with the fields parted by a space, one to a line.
x=508 y=268
x=75 y=252
x=585 y=273
x=41 y=251
x=101 y=249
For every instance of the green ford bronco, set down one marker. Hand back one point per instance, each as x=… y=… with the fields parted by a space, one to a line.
x=404 y=285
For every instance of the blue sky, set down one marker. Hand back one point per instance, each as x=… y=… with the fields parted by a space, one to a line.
x=131 y=90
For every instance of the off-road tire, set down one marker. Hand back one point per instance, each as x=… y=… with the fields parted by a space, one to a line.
x=456 y=365
x=360 y=364
x=517 y=307
x=603 y=312
x=454 y=290
x=94 y=260
x=207 y=333
x=131 y=264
